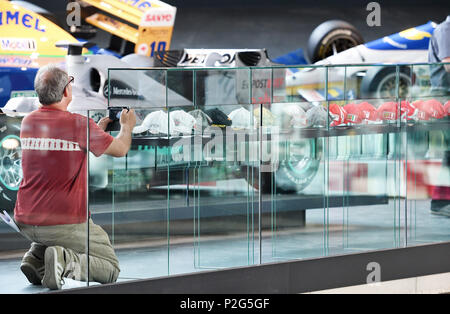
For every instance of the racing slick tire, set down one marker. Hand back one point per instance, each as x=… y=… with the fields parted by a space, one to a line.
x=10 y=161
x=332 y=37
x=380 y=82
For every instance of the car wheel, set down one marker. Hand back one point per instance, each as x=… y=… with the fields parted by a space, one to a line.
x=332 y=37
x=380 y=82
x=10 y=167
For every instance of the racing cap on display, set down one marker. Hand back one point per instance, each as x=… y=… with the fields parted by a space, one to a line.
x=242 y=119
x=447 y=108
x=317 y=116
x=289 y=115
x=430 y=109
x=218 y=118
x=354 y=115
x=155 y=123
x=369 y=113
x=306 y=105
x=202 y=120
x=388 y=111
x=268 y=118
x=408 y=111
x=337 y=115
x=20 y=106
x=183 y=122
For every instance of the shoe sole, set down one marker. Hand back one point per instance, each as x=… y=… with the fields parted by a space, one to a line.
x=51 y=262
x=32 y=274
x=442 y=214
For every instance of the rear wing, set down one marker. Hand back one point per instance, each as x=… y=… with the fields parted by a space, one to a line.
x=147 y=24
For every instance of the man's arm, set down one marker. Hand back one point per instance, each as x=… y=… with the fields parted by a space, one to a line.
x=122 y=143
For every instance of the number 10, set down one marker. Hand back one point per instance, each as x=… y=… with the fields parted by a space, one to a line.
x=161 y=47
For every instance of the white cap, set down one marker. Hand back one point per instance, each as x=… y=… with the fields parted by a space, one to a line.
x=242 y=119
x=317 y=116
x=183 y=122
x=202 y=120
x=156 y=123
x=290 y=115
x=20 y=106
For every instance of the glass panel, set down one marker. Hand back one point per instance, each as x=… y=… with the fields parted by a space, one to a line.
x=240 y=166
x=365 y=196
x=132 y=199
x=224 y=198
x=294 y=191
x=428 y=157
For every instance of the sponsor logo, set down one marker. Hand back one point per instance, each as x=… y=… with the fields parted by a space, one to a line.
x=388 y=115
x=22 y=19
x=118 y=90
x=24 y=44
x=15 y=61
x=393 y=43
x=159 y=18
x=23 y=93
x=141 y=5
x=352 y=117
x=414 y=34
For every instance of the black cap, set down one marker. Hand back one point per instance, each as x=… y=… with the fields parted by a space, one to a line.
x=218 y=117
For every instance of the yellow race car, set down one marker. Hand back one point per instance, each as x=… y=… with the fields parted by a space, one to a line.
x=29 y=39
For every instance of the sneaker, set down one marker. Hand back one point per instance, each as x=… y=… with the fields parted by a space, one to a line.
x=441 y=208
x=33 y=268
x=55 y=265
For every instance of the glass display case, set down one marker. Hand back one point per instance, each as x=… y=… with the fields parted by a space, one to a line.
x=243 y=166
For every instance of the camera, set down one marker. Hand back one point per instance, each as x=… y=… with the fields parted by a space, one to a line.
x=114 y=114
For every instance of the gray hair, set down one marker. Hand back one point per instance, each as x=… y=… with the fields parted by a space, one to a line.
x=50 y=83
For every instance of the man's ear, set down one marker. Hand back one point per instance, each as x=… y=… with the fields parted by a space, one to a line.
x=65 y=93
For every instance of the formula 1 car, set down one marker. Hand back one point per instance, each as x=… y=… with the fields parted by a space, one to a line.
x=339 y=43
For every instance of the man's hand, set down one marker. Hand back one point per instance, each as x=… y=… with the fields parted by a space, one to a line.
x=122 y=143
x=128 y=119
x=103 y=123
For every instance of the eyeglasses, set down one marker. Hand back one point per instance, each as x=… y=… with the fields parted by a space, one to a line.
x=71 y=80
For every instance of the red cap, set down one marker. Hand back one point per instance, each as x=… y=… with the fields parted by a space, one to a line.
x=369 y=113
x=354 y=114
x=447 y=108
x=338 y=114
x=388 y=111
x=430 y=109
x=435 y=108
x=408 y=111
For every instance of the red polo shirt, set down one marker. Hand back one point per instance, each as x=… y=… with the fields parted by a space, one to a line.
x=54 y=160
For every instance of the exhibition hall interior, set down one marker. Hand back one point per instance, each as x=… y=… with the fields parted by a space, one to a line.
x=266 y=131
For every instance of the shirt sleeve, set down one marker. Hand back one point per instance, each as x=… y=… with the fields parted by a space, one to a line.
x=443 y=41
x=99 y=140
